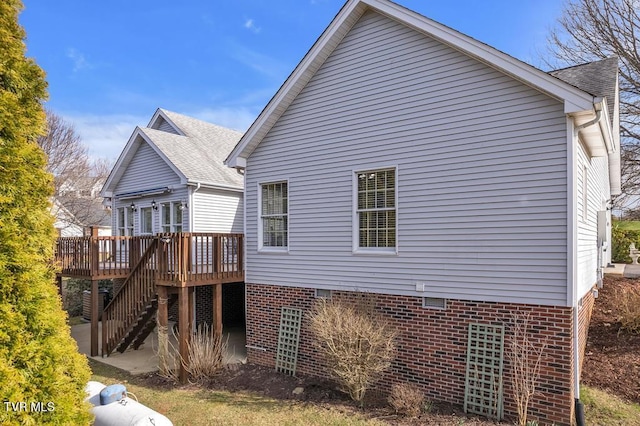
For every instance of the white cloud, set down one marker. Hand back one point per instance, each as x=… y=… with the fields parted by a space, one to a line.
x=251 y=25
x=105 y=135
x=78 y=59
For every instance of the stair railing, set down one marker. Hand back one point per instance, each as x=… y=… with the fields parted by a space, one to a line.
x=134 y=296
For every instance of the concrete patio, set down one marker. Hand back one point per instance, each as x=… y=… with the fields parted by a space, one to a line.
x=626 y=270
x=145 y=360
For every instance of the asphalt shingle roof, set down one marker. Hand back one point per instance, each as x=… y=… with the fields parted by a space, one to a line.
x=598 y=78
x=200 y=154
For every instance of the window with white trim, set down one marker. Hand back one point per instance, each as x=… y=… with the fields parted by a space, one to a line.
x=274 y=214
x=171 y=217
x=376 y=208
x=146 y=220
x=125 y=221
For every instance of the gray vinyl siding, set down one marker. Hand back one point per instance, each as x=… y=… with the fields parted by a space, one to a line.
x=164 y=126
x=587 y=228
x=481 y=170
x=217 y=211
x=146 y=170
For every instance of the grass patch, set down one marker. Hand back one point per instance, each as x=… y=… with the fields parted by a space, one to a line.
x=628 y=225
x=605 y=409
x=75 y=321
x=198 y=406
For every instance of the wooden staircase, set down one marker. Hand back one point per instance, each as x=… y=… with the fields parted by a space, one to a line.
x=128 y=315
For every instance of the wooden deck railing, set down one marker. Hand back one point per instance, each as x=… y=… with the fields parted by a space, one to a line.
x=182 y=258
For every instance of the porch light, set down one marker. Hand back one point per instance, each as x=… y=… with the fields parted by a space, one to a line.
x=133 y=207
x=154 y=205
x=183 y=205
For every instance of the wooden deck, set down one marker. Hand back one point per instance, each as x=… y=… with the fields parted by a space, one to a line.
x=180 y=259
x=155 y=270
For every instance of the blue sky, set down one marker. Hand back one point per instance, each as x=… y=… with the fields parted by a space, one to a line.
x=110 y=64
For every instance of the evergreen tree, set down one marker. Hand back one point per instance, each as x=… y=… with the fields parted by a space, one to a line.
x=39 y=361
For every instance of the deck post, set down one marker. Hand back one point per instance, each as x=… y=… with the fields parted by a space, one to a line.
x=163 y=329
x=59 y=284
x=217 y=308
x=95 y=251
x=183 y=328
x=94 y=317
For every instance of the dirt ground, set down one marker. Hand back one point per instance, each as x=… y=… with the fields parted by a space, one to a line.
x=612 y=359
x=612 y=363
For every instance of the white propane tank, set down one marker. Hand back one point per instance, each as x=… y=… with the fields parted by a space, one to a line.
x=124 y=412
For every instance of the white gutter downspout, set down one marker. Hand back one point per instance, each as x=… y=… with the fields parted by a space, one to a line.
x=579 y=407
x=191 y=209
x=191 y=217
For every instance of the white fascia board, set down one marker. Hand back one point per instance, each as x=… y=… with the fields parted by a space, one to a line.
x=236 y=162
x=160 y=113
x=574 y=98
x=298 y=79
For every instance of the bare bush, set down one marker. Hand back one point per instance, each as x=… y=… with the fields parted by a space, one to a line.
x=525 y=355
x=206 y=354
x=407 y=399
x=356 y=342
x=629 y=300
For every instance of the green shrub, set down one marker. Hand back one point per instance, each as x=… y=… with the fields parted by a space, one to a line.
x=39 y=361
x=620 y=241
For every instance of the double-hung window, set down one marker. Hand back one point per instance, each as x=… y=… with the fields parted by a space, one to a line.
x=146 y=220
x=125 y=221
x=171 y=217
x=375 y=210
x=274 y=215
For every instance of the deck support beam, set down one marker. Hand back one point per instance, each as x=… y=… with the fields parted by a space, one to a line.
x=217 y=308
x=183 y=330
x=94 y=317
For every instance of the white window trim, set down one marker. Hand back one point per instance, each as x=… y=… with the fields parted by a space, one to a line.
x=355 y=228
x=173 y=224
x=270 y=249
x=141 y=221
x=128 y=228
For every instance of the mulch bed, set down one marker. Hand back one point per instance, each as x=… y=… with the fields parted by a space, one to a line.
x=612 y=359
x=612 y=363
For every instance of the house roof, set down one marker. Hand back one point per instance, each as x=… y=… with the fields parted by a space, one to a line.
x=193 y=148
x=575 y=99
x=600 y=78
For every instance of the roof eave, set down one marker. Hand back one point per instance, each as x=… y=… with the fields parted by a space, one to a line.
x=574 y=99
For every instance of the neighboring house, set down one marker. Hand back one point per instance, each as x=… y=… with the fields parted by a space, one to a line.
x=170 y=177
x=457 y=183
x=76 y=215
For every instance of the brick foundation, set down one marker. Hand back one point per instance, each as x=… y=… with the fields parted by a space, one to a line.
x=432 y=344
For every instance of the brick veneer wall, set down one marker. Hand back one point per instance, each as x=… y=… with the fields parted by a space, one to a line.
x=432 y=344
